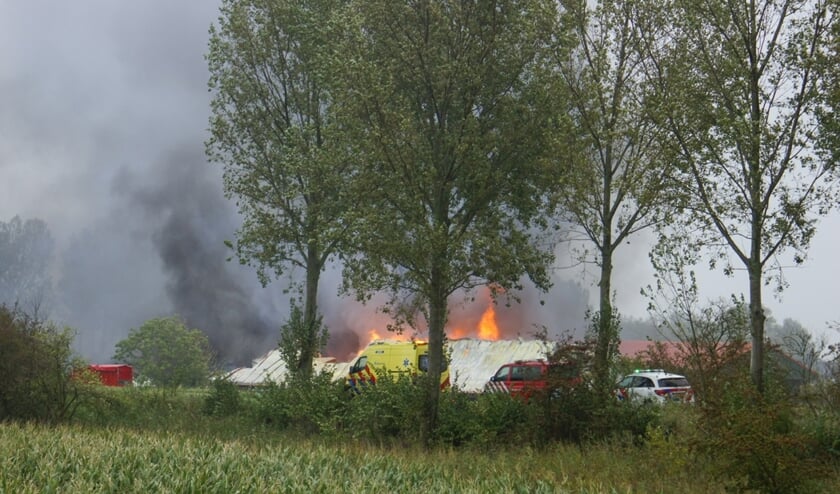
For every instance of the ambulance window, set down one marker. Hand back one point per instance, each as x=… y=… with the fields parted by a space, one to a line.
x=360 y=364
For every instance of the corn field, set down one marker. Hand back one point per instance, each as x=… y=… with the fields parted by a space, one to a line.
x=77 y=459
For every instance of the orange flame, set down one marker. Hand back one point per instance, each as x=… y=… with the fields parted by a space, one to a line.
x=487 y=328
x=457 y=332
x=374 y=334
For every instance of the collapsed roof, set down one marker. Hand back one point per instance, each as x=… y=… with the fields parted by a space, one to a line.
x=472 y=362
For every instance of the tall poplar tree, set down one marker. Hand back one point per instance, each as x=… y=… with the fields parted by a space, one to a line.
x=741 y=94
x=285 y=161
x=452 y=111
x=617 y=185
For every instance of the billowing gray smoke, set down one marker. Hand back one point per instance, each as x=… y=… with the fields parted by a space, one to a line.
x=104 y=116
x=190 y=221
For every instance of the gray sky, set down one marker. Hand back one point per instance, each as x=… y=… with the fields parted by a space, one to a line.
x=101 y=135
x=104 y=114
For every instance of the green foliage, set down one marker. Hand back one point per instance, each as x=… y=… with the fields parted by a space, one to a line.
x=583 y=414
x=753 y=150
x=504 y=420
x=99 y=460
x=446 y=103
x=614 y=178
x=272 y=129
x=821 y=404
x=313 y=406
x=460 y=419
x=167 y=353
x=739 y=444
x=668 y=442
x=755 y=441
x=389 y=411
x=37 y=368
x=299 y=337
x=286 y=158
x=140 y=407
x=223 y=399
x=462 y=106
x=603 y=335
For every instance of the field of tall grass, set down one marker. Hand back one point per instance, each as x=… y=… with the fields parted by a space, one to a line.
x=74 y=458
x=142 y=440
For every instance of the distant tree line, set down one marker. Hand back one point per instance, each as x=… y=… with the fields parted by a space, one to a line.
x=26 y=250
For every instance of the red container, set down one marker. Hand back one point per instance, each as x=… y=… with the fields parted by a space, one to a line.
x=114 y=374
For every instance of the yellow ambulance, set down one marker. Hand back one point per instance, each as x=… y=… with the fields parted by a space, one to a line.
x=392 y=359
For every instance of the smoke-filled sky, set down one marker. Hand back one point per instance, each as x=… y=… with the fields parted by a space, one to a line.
x=103 y=116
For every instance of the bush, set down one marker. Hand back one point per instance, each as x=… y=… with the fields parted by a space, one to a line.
x=36 y=369
x=223 y=399
x=303 y=405
x=486 y=420
x=459 y=420
x=386 y=411
x=754 y=441
x=505 y=419
x=578 y=407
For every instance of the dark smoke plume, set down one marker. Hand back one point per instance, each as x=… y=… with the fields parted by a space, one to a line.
x=191 y=220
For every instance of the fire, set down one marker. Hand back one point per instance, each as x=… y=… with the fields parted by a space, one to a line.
x=462 y=324
x=466 y=323
x=374 y=334
x=457 y=333
x=487 y=328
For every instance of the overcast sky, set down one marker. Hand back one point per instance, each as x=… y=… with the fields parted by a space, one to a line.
x=103 y=116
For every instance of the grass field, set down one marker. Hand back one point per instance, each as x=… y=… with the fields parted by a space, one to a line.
x=140 y=441
x=68 y=458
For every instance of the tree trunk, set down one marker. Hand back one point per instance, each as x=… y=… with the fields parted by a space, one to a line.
x=757 y=208
x=757 y=318
x=605 y=330
x=437 y=322
x=310 y=312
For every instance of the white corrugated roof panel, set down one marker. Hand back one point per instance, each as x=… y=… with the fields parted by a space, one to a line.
x=472 y=362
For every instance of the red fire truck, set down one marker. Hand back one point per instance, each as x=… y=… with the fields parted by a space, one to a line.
x=526 y=377
x=114 y=374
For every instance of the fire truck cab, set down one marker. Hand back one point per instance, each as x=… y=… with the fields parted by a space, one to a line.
x=523 y=378
x=392 y=359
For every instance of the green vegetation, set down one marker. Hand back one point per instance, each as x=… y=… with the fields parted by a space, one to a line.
x=438 y=136
x=447 y=104
x=470 y=129
x=313 y=435
x=285 y=158
x=77 y=459
x=743 y=97
x=36 y=369
x=167 y=353
x=618 y=180
x=137 y=440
